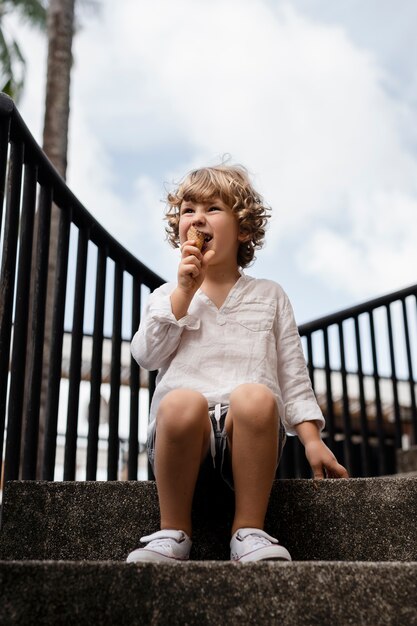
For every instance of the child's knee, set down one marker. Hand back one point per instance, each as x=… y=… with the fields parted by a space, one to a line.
x=256 y=405
x=181 y=410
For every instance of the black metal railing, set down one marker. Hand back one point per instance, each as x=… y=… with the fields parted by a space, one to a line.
x=361 y=361
x=31 y=188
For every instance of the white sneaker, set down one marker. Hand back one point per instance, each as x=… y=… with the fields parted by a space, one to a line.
x=253 y=544
x=164 y=545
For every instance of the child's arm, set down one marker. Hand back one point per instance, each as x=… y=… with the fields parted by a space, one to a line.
x=159 y=331
x=299 y=402
x=301 y=413
x=166 y=313
x=322 y=460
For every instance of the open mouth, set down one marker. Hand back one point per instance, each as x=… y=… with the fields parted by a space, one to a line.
x=207 y=239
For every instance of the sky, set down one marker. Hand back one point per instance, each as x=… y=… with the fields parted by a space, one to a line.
x=318 y=99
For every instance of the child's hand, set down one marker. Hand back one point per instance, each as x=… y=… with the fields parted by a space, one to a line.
x=191 y=273
x=193 y=266
x=323 y=462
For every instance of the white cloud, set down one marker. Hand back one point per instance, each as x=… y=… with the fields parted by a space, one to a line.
x=376 y=255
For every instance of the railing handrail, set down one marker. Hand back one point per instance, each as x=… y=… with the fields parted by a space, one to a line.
x=66 y=199
x=354 y=311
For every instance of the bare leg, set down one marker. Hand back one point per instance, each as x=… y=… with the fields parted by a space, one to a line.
x=182 y=441
x=252 y=428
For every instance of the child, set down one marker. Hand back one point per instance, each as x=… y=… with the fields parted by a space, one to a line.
x=232 y=373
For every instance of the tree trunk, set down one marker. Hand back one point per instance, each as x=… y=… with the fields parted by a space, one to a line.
x=60 y=26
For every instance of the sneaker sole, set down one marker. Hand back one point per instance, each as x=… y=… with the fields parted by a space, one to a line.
x=279 y=553
x=147 y=556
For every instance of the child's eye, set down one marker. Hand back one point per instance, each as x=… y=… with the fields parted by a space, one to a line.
x=214 y=208
x=186 y=209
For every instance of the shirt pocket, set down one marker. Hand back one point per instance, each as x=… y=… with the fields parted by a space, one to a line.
x=256 y=315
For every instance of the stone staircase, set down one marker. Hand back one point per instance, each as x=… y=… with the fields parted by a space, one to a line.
x=353 y=542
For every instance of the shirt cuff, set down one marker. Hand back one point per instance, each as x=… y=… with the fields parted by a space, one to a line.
x=161 y=311
x=190 y=322
x=302 y=411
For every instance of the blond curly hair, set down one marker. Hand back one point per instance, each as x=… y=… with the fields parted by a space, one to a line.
x=231 y=184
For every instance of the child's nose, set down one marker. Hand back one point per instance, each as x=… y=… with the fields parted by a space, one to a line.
x=199 y=219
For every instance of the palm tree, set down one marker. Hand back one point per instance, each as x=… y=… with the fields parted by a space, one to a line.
x=12 y=60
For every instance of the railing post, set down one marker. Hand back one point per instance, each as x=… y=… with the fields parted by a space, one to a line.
x=310 y=360
x=134 y=389
x=329 y=395
x=410 y=373
x=397 y=416
x=382 y=460
x=96 y=365
x=365 y=450
x=113 y=451
x=7 y=287
x=347 y=428
x=76 y=356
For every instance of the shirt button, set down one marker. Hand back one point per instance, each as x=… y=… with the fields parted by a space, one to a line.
x=220 y=320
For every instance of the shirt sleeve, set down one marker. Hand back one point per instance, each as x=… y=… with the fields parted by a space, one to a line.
x=159 y=331
x=298 y=399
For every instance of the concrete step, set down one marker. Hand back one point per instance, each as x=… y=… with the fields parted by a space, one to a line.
x=407 y=460
x=290 y=594
x=369 y=519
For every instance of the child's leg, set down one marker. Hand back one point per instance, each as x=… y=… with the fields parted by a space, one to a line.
x=182 y=441
x=252 y=428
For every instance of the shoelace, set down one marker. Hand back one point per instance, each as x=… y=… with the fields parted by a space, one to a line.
x=257 y=540
x=164 y=543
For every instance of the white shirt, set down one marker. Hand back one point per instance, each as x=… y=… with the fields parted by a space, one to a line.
x=252 y=338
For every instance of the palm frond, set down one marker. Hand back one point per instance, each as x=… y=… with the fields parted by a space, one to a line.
x=5 y=61
x=12 y=68
x=31 y=11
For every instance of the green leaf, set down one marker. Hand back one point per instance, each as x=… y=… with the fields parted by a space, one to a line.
x=31 y=11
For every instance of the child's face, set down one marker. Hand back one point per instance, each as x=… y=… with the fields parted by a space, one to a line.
x=216 y=220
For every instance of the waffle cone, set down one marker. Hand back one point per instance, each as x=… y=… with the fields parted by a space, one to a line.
x=195 y=235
